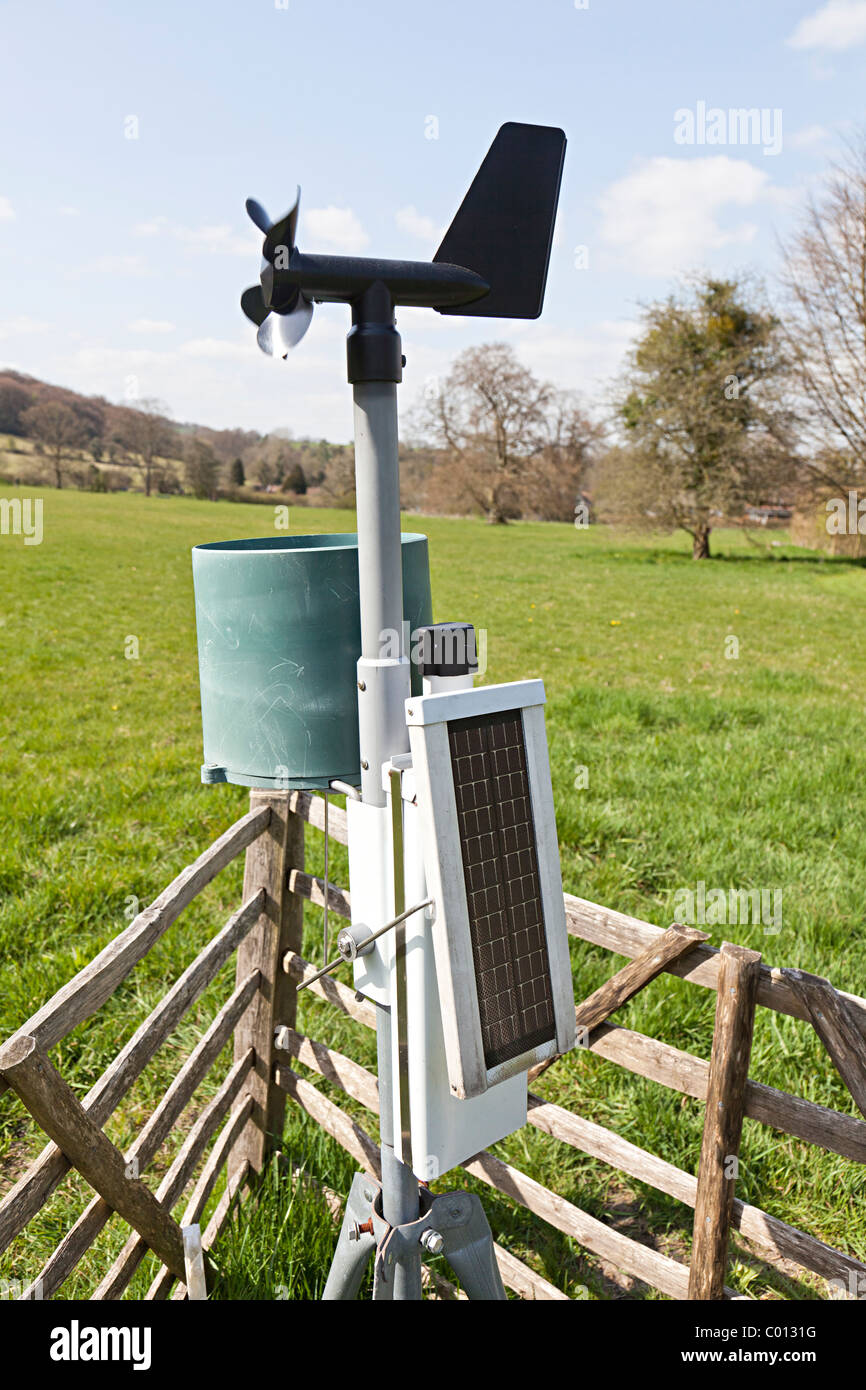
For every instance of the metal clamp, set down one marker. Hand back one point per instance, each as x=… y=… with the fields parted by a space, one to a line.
x=356 y=941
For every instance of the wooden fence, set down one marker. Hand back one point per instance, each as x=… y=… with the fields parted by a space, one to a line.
x=249 y=1104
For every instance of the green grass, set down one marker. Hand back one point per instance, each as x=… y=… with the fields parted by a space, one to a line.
x=746 y=772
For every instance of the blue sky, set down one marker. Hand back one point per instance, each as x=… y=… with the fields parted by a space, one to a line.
x=122 y=259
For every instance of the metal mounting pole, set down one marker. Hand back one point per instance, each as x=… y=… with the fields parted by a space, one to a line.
x=384 y=685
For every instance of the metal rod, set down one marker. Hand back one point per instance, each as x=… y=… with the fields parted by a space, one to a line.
x=325 y=905
x=401 y=984
x=345 y=789
x=374 y=936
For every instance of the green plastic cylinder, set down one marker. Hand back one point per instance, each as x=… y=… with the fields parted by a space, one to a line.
x=279 y=637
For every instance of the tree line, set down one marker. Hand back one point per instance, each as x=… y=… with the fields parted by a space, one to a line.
x=730 y=400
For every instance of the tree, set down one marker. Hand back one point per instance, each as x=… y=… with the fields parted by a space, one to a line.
x=57 y=431
x=825 y=325
x=14 y=400
x=706 y=429
x=338 y=483
x=91 y=417
x=294 y=480
x=201 y=466
x=146 y=435
x=491 y=416
x=560 y=472
x=237 y=476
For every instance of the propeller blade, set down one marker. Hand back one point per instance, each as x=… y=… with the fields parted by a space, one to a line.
x=258 y=215
x=282 y=233
x=290 y=328
x=253 y=304
x=281 y=332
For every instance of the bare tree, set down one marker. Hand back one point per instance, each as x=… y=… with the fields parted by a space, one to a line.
x=825 y=323
x=146 y=434
x=561 y=470
x=338 y=483
x=705 y=420
x=57 y=430
x=490 y=416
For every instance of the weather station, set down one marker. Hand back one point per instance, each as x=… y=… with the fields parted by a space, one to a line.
x=321 y=668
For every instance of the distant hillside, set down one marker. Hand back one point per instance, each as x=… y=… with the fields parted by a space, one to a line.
x=55 y=435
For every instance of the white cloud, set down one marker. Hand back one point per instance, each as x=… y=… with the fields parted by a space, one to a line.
x=6 y=210
x=836 y=25
x=151 y=228
x=22 y=323
x=810 y=137
x=68 y=211
x=151 y=326
x=336 y=229
x=115 y=265
x=219 y=348
x=410 y=220
x=219 y=239
x=215 y=238
x=664 y=215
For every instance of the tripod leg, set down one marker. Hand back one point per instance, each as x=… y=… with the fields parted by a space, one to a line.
x=351 y=1255
x=468 y=1244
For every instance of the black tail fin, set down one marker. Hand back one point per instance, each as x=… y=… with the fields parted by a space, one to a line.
x=504 y=227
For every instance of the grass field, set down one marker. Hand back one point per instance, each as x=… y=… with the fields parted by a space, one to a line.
x=744 y=772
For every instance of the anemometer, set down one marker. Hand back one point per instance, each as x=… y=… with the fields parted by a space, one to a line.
x=458 y=931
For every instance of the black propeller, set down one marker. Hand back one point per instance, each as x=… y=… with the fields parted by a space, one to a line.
x=282 y=315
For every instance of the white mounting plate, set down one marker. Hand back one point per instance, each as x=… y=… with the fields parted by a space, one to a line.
x=428 y=717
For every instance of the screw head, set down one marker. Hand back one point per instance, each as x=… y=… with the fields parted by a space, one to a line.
x=433 y=1241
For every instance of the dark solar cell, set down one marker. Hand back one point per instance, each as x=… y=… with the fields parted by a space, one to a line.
x=500 y=865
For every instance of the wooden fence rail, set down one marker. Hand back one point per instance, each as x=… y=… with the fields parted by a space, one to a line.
x=75 y=1127
x=723 y=1083
x=243 y=1120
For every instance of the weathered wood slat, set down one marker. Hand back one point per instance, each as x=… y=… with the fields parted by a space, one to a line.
x=622 y=934
x=628 y=936
x=723 y=1119
x=671 y=946
x=523 y=1280
x=55 y=1107
x=216 y=1161
x=680 y=1071
x=312 y=810
x=837 y=1025
x=340 y=1126
x=91 y=1221
x=658 y=1061
x=774 y=1238
x=88 y=990
x=515 y=1274
x=36 y=1185
x=178 y=1176
x=641 y=1261
x=343 y=997
x=355 y=1080
x=313 y=890
x=235 y=1186
x=279 y=928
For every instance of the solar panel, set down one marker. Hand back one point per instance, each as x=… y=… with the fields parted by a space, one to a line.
x=500 y=866
x=492 y=861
